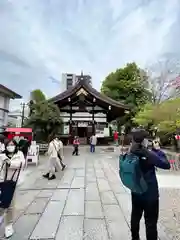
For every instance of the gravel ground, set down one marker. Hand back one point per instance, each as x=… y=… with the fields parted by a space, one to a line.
x=170 y=211
x=169 y=203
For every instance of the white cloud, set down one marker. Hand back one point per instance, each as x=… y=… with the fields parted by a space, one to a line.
x=41 y=38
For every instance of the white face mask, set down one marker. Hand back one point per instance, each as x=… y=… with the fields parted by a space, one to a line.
x=145 y=142
x=11 y=148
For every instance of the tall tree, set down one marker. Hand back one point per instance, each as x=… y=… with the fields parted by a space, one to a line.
x=44 y=116
x=163 y=79
x=37 y=96
x=128 y=85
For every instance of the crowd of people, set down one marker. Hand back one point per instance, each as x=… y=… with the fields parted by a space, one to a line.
x=139 y=176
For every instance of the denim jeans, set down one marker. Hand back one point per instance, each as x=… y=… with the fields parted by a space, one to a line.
x=92 y=148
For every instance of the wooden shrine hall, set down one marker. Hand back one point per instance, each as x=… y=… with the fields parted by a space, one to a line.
x=85 y=111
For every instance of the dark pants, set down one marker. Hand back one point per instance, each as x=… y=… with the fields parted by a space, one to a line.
x=92 y=148
x=76 y=150
x=151 y=214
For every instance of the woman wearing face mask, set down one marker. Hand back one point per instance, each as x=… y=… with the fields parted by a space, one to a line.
x=14 y=159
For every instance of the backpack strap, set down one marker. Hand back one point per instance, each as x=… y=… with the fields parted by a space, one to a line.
x=19 y=170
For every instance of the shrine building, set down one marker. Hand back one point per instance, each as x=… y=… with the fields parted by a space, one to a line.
x=85 y=111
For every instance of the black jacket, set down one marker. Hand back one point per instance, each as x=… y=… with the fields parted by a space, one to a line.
x=150 y=160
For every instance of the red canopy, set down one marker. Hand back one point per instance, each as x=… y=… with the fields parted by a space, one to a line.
x=20 y=130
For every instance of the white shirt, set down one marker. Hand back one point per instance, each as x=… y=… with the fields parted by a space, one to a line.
x=93 y=140
x=15 y=163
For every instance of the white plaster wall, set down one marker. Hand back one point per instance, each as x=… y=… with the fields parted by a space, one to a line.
x=4 y=104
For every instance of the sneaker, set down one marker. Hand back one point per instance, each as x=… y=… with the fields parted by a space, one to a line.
x=63 y=167
x=46 y=175
x=9 y=231
x=52 y=177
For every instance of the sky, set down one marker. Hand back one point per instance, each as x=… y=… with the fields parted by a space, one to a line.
x=40 y=39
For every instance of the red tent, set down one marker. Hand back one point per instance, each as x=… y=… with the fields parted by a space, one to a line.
x=21 y=132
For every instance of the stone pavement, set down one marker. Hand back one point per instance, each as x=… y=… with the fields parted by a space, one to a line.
x=87 y=201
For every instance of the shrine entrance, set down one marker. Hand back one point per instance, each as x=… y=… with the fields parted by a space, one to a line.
x=85 y=111
x=82 y=132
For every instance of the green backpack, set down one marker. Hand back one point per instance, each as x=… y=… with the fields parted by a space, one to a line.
x=130 y=173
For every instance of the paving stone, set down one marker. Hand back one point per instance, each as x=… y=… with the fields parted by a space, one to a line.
x=118 y=188
x=75 y=203
x=37 y=206
x=100 y=174
x=93 y=209
x=45 y=194
x=125 y=204
x=24 y=198
x=80 y=172
x=60 y=195
x=67 y=179
x=92 y=193
x=108 y=198
x=103 y=185
x=24 y=227
x=95 y=229
x=71 y=227
x=90 y=178
x=117 y=226
x=49 y=221
x=78 y=182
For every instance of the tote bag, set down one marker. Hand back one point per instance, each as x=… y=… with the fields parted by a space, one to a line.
x=8 y=186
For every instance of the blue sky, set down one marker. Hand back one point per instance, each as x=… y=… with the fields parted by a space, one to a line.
x=43 y=38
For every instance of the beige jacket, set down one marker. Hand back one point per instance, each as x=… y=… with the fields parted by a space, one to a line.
x=15 y=163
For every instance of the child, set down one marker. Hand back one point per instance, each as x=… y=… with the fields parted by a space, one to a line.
x=76 y=146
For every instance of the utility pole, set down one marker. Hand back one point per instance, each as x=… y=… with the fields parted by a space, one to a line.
x=23 y=109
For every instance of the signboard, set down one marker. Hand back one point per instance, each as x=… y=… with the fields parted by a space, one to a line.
x=33 y=154
x=82 y=124
x=106 y=132
x=66 y=129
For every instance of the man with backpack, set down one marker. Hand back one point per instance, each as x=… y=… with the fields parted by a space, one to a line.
x=137 y=172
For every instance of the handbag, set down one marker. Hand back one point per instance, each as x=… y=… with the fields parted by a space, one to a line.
x=8 y=186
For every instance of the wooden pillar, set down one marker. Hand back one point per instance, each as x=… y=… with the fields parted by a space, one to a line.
x=93 y=121
x=70 y=121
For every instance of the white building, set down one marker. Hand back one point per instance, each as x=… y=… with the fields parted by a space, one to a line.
x=15 y=118
x=5 y=96
x=69 y=80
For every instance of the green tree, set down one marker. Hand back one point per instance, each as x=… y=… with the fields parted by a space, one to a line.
x=44 y=116
x=37 y=96
x=165 y=116
x=145 y=117
x=130 y=86
x=45 y=119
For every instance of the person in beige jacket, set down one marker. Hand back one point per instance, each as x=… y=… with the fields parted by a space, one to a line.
x=54 y=163
x=13 y=158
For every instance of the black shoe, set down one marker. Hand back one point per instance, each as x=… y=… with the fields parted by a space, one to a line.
x=46 y=175
x=63 y=167
x=52 y=177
